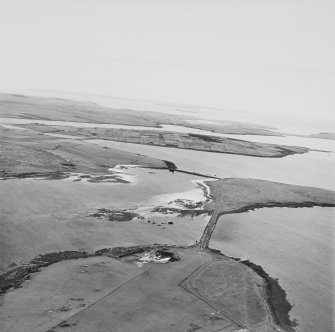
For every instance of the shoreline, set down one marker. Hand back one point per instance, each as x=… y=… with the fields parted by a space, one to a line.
x=61 y=175
x=15 y=277
x=275 y=295
x=276 y=298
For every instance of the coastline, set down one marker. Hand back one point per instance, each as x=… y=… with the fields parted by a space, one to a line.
x=275 y=295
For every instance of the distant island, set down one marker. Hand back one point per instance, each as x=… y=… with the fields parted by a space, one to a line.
x=323 y=135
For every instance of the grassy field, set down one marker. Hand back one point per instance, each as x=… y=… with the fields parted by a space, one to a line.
x=102 y=293
x=199 y=142
x=26 y=151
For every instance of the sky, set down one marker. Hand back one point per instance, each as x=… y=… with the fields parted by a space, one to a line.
x=266 y=57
